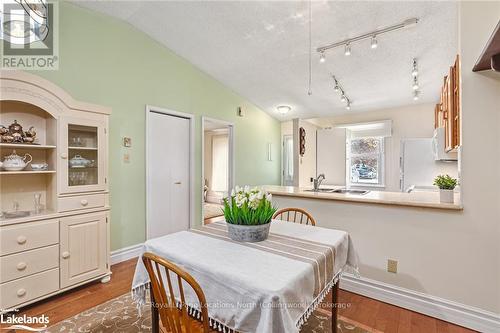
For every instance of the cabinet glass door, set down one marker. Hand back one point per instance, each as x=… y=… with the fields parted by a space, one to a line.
x=83 y=156
x=83 y=160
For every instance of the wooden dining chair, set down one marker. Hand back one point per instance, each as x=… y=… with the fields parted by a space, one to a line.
x=174 y=315
x=295 y=215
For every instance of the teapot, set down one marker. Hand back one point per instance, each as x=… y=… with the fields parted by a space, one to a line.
x=14 y=162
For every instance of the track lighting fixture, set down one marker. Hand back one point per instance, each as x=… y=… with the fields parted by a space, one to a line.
x=347 y=50
x=343 y=97
x=414 y=71
x=415 y=83
x=322 y=57
x=369 y=35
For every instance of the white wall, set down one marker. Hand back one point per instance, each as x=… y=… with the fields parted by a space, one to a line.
x=412 y=121
x=451 y=255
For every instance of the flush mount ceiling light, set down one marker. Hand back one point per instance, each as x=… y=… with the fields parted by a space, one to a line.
x=343 y=97
x=372 y=35
x=283 y=109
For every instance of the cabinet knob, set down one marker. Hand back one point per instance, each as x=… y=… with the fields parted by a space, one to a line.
x=64 y=156
x=21 y=266
x=84 y=202
x=65 y=255
x=21 y=240
x=21 y=292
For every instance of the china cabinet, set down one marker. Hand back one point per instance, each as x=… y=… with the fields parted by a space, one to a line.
x=54 y=195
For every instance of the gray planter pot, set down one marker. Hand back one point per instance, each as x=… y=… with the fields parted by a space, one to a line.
x=248 y=233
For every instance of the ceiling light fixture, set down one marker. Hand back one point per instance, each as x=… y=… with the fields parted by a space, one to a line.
x=415 y=83
x=374 y=42
x=322 y=57
x=416 y=94
x=372 y=34
x=283 y=109
x=347 y=50
x=414 y=71
x=343 y=97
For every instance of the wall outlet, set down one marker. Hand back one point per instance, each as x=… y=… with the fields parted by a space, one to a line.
x=126 y=158
x=392 y=266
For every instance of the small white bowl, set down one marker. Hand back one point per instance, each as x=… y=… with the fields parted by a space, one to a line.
x=39 y=166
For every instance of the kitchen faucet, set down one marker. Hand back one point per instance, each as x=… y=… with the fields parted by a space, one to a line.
x=317 y=181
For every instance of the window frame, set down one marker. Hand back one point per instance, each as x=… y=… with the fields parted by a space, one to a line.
x=380 y=158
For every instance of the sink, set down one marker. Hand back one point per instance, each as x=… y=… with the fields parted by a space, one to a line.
x=347 y=191
x=321 y=190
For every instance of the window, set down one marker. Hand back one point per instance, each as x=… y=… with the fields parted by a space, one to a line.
x=365 y=161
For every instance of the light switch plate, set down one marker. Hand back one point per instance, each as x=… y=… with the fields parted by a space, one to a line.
x=392 y=266
x=127 y=142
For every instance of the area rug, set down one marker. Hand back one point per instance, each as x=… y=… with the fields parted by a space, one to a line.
x=120 y=315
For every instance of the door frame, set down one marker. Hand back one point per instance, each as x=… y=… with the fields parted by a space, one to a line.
x=156 y=109
x=230 y=158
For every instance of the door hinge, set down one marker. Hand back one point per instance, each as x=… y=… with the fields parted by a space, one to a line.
x=105 y=180
x=106 y=220
x=105 y=131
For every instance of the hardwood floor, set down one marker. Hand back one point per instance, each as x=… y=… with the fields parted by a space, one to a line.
x=362 y=311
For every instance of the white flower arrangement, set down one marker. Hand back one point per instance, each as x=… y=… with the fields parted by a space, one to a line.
x=248 y=206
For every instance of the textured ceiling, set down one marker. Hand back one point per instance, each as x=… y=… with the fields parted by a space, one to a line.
x=260 y=49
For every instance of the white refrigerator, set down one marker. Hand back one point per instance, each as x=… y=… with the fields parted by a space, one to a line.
x=418 y=168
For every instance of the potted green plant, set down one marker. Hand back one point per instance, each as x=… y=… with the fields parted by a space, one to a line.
x=446 y=185
x=248 y=213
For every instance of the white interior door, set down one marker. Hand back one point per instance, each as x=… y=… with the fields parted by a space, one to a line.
x=168 y=173
x=331 y=155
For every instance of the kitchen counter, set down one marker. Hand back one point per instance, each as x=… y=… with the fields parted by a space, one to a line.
x=426 y=199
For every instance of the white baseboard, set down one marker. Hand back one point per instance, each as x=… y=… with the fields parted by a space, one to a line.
x=436 y=307
x=126 y=253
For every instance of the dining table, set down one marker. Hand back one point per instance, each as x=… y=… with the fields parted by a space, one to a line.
x=269 y=286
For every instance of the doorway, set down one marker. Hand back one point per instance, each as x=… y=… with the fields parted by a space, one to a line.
x=169 y=171
x=217 y=166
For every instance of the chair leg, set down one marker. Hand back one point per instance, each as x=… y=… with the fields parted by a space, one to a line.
x=335 y=307
x=155 y=318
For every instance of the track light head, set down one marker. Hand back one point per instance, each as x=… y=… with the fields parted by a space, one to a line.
x=347 y=50
x=342 y=98
x=415 y=84
x=374 y=42
x=414 y=71
x=322 y=57
x=416 y=94
x=348 y=106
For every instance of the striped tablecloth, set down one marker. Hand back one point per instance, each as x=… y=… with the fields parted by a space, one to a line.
x=269 y=286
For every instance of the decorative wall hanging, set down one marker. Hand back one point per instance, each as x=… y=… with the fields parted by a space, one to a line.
x=302 y=141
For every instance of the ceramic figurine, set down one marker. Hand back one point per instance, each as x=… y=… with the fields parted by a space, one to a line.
x=16 y=131
x=29 y=135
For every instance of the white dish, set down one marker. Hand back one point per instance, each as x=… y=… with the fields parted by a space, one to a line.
x=17 y=168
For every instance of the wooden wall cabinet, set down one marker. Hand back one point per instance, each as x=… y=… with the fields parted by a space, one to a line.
x=65 y=244
x=447 y=111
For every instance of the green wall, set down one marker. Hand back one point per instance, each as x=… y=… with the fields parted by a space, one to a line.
x=108 y=62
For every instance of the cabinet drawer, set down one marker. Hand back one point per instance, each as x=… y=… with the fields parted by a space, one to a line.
x=27 y=236
x=81 y=202
x=28 y=288
x=25 y=263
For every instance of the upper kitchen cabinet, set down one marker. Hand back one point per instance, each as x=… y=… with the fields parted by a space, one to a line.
x=447 y=111
x=490 y=57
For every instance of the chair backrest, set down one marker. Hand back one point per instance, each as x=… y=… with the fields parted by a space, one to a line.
x=295 y=215
x=173 y=315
